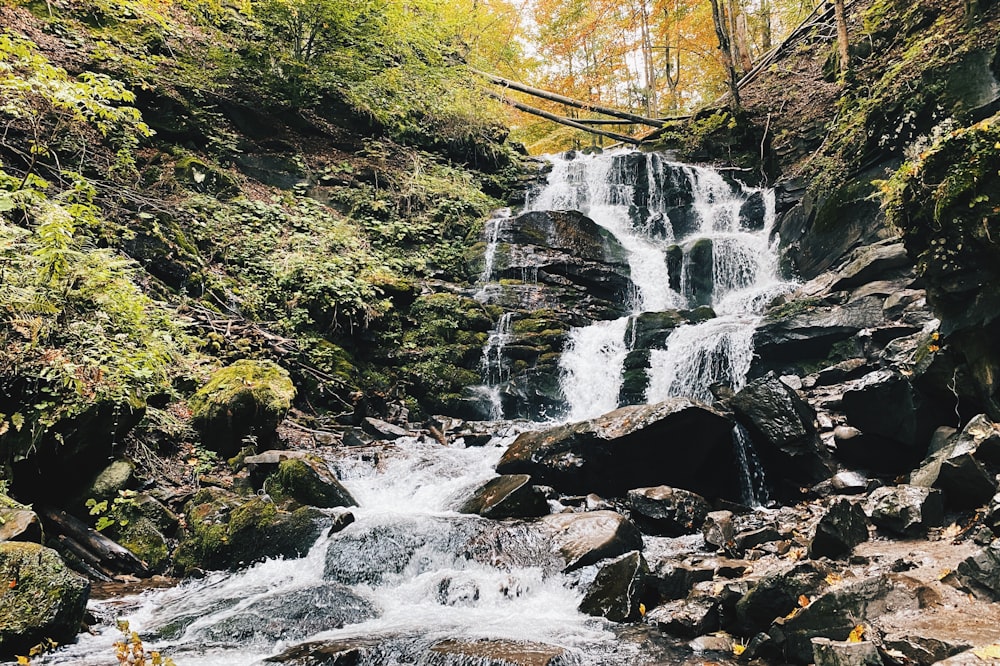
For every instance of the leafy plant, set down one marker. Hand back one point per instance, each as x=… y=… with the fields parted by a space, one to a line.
x=115 y=513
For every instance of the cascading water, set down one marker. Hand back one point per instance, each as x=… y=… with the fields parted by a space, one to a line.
x=728 y=263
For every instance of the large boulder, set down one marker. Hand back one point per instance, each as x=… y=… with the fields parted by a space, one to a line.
x=41 y=598
x=841 y=528
x=780 y=423
x=226 y=531
x=18 y=522
x=666 y=511
x=965 y=467
x=308 y=480
x=896 y=419
x=493 y=652
x=777 y=593
x=905 y=509
x=618 y=589
x=508 y=496
x=676 y=443
x=585 y=538
x=980 y=572
x=246 y=399
x=686 y=618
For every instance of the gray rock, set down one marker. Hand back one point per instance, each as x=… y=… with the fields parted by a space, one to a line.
x=809 y=332
x=752 y=538
x=346 y=652
x=46 y=600
x=921 y=649
x=780 y=424
x=685 y=618
x=493 y=652
x=717 y=642
x=380 y=429
x=699 y=270
x=618 y=588
x=719 y=531
x=777 y=593
x=849 y=483
x=840 y=529
x=666 y=511
x=308 y=481
x=674 y=580
x=641 y=445
x=844 y=653
x=871 y=262
x=836 y=612
x=896 y=419
x=585 y=538
x=508 y=496
x=980 y=572
x=906 y=510
x=964 y=467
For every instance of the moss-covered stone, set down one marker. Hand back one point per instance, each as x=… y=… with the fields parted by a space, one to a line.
x=146 y=542
x=196 y=174
x=309 y=482
x=225 y=531
x=40 y=598
x=248 y=398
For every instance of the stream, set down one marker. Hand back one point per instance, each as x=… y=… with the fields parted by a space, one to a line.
x=411 y=572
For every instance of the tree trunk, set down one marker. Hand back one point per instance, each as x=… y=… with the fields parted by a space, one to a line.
x=838 y=11
x=727 y=58
x=564 y=121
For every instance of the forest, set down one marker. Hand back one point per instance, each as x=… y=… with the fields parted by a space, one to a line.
x=499 y=331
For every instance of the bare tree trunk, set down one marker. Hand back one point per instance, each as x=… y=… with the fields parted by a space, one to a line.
x=838 y=11
x=727 y=57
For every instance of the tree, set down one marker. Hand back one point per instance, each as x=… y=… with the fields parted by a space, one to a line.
x=838 y=11
x=727 y=55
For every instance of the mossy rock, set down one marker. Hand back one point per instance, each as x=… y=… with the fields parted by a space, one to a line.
x=201 y=177
x=247 y=398
x=146 y=542
x=225 y=531
x=308 y=482
x=41 y=598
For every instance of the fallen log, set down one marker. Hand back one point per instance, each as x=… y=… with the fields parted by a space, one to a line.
x=110 y=555
x=564 y=121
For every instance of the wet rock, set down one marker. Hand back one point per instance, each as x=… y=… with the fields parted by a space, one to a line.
x=665 y=511
x=357 y=437
x=836 y=612
x=878 y=261
x=293 y=614
x=964 y=468
x=808 y=329
x=246 y=399
x=758 y=646
x=618 y=588
x=508 y=496
x=699 y=271
x=309 y=481
x=675 y=264
x=651 y=329
x=719 y=530
x=840 y=529
x=674 y=580
x=780 y=424
x=777 y=593
x=751 y=539
x=380 y=429
x=896 y=419
x=641 y=445
x=585 y=538
x=844 y=653
x=41 y=598
x=685 y=618
x=906 y=510
x=493 y=652
x=849 y=482
x=980 y=572
x=752 y=211
x=717 y=642
x=920 y=649
x=346 y=652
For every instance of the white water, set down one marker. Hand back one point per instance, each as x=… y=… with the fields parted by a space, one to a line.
x=402 y=556
x=744 y=279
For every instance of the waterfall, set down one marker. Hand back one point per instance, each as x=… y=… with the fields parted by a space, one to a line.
x=753 y=487
x=723 y=230
x=494 y=369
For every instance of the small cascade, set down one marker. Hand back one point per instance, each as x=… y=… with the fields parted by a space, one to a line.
x=591 y=366
x=753 y=486
x=494 y=227
x=494 y=368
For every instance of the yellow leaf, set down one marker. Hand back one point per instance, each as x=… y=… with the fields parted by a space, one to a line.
x=856 y=634
x=833 y=578
x=642 y=609
x=739 y=648
x=944 y=574
x=23 y=661
x=951 y=531
x=988 y=653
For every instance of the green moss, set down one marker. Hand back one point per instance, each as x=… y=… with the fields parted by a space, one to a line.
x=793 y=308
x=146 y=542
x=307 y=482
x=247 y=398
